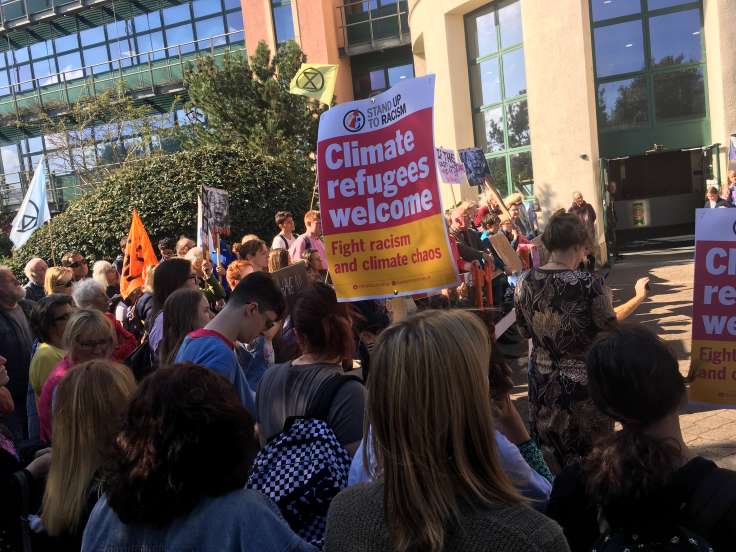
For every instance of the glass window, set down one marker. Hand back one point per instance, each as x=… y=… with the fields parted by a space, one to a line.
x=180 y=35
x=152 y=43
x=43 y=69
x=675 y=38
x=378 y=80
x=205 y=7
x=42 y=49
x=485 y=83
x=608 y=9
x=657 y=4
x=619 y=48
x=92 y=36
x=20 y=55
x=95 y=56
x=679 y=94
x=402 y=72
x=66 y=43
x=120 y=53
x=232 y=4
x=147 y=21
x=283 y=21
x=489 y=124
x=482 y=35
x=11 y=161
x=234 y=22
x=497 y=165
x=509 y=21
x=623 y=103
x=176 y=14
x=208 y=28
x=4 y=81
x=21 y=75
x=514 y=74
x=35 y=144
x=118 y=29
x=70 y=65
x=521 y=172
x=517 y=120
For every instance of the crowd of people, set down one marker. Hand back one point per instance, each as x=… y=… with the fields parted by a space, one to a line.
x=206 y=412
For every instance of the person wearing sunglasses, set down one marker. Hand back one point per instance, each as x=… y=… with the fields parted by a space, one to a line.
x=255 y=306
x=59 y=279
x=89 y=335
x=48 y=321
x=76 y=262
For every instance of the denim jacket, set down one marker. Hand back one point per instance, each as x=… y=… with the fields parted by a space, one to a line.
x=240 y=521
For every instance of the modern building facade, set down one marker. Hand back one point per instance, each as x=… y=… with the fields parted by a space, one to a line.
x=55 y=51
x=562 y=96
x=571 y=95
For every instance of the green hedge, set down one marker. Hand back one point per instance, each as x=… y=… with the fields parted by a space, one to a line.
x=164 y=190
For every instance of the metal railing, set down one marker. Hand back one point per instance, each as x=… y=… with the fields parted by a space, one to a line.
x=143 y=74
x=368 y=25
x=151 y=76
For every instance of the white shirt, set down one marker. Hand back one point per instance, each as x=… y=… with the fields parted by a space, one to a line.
x=278 y=241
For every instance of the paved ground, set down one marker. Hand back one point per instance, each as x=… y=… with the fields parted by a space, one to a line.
x=668 y=311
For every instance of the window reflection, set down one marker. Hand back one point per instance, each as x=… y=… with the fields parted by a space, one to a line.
x=482 y=36
x=675 y=38
x=521 y=172
x=619 y=48
x=517 y=119
x=283 y=20
x=492 y=126
x=509 y=20
x=399 y=73
x=514 y=74
x=623 y=103
x=485 y=83
x=657 y=4
x=497 y=165
x=680 y=94
x=608 y=9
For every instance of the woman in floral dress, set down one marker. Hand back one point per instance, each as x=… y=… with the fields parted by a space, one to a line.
x=562 y=310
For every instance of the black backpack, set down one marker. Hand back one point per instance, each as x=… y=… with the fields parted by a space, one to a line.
x=712 y=496
x=302 y=468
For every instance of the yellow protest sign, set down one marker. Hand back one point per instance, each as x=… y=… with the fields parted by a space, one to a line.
x=315 y=81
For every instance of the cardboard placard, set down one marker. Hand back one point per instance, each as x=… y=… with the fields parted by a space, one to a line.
x=476 y=166
x=292 y=280
x=503 y=249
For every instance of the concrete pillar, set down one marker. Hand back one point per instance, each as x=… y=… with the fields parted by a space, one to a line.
x=720 y=50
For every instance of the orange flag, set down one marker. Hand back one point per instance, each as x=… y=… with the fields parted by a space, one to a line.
x=139 y=257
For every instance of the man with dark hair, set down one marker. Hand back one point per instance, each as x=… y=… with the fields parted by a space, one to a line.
x=75 y=261
x=255 y=306
x=16 y=345
x=585 y=212
x=286 y=236
x=167 y=249
x=48 y=321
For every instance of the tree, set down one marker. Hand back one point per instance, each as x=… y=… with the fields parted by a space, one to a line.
x=248 y=102
x=164 y=190
x=98 y=134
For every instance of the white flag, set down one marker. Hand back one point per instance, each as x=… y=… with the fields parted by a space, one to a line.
x=34 y=210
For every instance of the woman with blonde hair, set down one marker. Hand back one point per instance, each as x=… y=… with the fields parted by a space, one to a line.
x=440 y=485
x=59 y=279
x=206 y=279
x=278 y=259
x=89 y=335
x=90 y=403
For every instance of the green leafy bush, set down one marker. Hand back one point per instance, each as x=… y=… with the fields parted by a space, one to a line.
x=164 y=190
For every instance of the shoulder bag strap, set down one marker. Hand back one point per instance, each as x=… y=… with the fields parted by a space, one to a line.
x=320 y=406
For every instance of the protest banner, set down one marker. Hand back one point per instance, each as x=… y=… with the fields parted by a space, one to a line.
x=291 y=280
x=713 y=357
x=476 y=166
x=503 y=249
x=213 y=218
x=379 y=197
x=139 y=257
x=451 y=172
